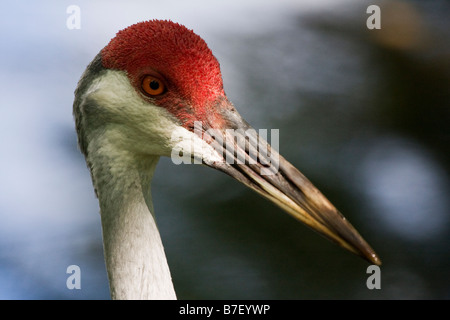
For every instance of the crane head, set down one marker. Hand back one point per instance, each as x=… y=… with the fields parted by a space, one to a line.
x=157 y=80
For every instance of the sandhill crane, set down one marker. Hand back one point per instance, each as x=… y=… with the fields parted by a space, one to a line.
x=154 y=81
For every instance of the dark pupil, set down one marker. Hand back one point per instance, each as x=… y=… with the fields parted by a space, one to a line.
x=154 y=85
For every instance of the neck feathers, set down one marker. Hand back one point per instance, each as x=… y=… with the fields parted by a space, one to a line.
x=134 y=254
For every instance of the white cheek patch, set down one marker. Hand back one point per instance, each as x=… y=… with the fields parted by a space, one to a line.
x=144 y=127
x=114 y=92
x=189 y=148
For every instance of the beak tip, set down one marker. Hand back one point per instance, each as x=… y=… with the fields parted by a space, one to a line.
x=373 y=258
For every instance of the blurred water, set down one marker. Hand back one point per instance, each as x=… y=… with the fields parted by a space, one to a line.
x=364 y=119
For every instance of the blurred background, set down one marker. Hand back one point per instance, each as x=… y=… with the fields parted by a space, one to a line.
x=364 y=114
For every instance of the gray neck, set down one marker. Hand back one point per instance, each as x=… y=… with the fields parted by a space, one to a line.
x=134 y=254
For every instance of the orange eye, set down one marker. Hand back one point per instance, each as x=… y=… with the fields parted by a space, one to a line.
x=152 y=85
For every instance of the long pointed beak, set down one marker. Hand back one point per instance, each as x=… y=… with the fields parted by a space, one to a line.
x=248 y=158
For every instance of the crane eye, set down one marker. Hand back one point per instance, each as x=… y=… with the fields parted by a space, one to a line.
x=152 y=85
